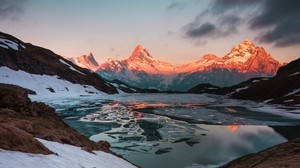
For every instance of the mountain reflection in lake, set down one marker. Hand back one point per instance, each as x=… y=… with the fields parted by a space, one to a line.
x=170 y=130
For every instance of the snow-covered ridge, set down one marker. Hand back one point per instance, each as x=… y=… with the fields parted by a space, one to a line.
x=86 y=61
x=8 y=44
x=45 y=85
x=66 y=156
x=141 y=69
x=142 y=60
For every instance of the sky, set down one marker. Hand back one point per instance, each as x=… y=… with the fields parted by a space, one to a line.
x=175 y=31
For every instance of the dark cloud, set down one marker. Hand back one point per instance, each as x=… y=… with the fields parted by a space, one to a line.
x=221 y=6
x=276 y=21
x=208 y=29
x=230 y=20
x=205 y=29
x=11 y=9
x=214 y=21
x=281 y=22
x=176 y=6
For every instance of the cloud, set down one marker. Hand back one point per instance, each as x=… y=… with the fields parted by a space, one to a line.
x=280 y=22
x=221 y=6
x=275 y=21
x=205 y=29
x=217 y=21
x=222 y=27
x=11 y=9
x=176 y=6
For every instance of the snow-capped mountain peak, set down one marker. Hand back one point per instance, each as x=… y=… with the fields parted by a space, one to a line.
x=140 y=54
x=91 y=58
x=208 y=57
x=244 y=61
x=86 y=61
x=241 y=52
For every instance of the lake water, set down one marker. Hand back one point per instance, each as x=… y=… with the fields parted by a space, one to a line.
x=179 y=130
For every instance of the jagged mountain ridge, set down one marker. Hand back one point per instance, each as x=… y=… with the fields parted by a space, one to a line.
x=244 y=61
x=85 y=61
x=45 y=72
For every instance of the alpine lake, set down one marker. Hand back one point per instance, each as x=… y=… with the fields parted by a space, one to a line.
x=179 y=130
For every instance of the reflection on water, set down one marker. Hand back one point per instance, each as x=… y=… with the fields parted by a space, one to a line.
x=168 y=133
x=233 y=128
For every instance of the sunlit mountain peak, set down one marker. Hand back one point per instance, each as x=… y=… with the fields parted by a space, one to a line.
x=139 y=53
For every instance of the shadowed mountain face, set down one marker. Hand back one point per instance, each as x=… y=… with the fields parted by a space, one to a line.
x=17 y=55
x=284 y=88
x=141 y=69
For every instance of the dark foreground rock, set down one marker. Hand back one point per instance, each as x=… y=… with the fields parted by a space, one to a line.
x=282 y=155
x=21 y=121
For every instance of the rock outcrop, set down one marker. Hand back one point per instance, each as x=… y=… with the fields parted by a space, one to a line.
x=21 y=121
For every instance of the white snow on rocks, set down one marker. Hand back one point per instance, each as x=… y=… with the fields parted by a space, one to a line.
x=243 y=88
x=45 y=85
x=9 y=44
x=66 y=156
x=71 y=67
x=296 y=73
x=293 y=92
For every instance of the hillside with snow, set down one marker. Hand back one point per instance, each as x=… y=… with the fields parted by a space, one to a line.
x=283 y=88
x=65 y=156
x=45 y=72
x=33 y=135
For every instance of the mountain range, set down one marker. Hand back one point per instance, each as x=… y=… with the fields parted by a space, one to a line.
x=142 y=70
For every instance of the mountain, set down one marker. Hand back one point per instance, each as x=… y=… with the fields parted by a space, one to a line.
x=86 y=61
x=141 y=69
x=45 y=72
x=283 y=88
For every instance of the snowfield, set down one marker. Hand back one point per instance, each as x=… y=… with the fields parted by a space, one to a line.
x=66 y=156
x=45 y=85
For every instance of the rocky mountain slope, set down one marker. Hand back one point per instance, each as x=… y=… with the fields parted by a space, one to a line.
x=45 y=72
x=30 y=127
x=244 y=61
x=284 y=88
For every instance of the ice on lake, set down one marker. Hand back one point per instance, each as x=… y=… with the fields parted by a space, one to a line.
x=180 y=130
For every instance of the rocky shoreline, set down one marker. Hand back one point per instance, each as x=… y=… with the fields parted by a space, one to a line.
x=282 y=155
x=22 y=121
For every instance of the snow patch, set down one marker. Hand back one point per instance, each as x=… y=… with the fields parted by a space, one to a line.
x=239 y=89
x=67 y=156
x=267 y=101
x=290 y=100
x=9 y=44
x=71 y=67
x=293 y=92
x=296 y=73
x=45 y=85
